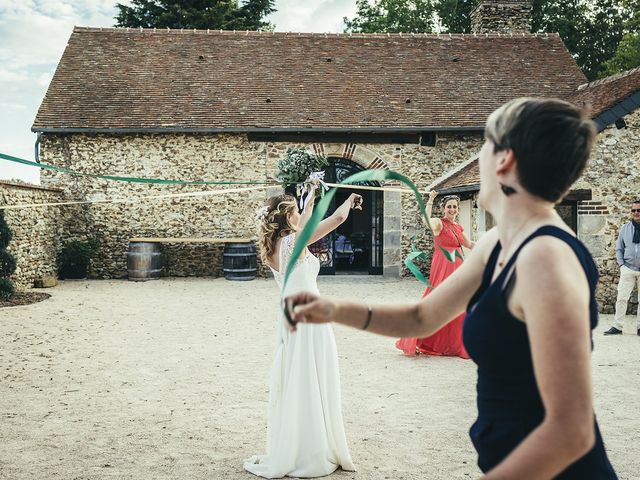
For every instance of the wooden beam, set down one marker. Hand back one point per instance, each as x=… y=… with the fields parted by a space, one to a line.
x=190 y=240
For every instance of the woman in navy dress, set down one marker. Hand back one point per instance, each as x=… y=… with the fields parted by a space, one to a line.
x=529 y=292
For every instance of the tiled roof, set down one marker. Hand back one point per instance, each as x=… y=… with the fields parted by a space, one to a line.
x=466 y=178
x=605 y=93
x=174 y=80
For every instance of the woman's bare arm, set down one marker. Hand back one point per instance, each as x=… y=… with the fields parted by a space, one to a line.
x=338 y=217
x=410 y=320
x=467 y=242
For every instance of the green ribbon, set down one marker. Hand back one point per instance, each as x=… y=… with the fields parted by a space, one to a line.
x=127 y=179
x=303 y=237
x=409 y=262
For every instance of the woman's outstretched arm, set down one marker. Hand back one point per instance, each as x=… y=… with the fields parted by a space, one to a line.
x=338 y=217
x=410 y=320
x=434 y=223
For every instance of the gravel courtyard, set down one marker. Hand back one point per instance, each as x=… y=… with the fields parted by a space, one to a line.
x=168 y=379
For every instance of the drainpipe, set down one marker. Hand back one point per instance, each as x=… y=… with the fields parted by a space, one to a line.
x=37 y=147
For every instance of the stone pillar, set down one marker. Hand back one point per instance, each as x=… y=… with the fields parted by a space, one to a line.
x=501 y=16
x=391 y=239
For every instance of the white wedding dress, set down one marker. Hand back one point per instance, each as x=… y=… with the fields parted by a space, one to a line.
x=305 y=431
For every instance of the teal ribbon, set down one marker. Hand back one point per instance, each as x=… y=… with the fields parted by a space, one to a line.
x=409 y=262
x=127 y=179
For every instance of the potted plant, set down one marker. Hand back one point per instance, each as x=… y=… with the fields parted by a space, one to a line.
x=296 y=167
x=75 y=257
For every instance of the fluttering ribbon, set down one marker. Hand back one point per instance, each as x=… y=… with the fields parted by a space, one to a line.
x=162 y=181
x=409 y=262
x=303 y=237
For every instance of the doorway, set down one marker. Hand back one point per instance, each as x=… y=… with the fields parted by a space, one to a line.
x=355 y=247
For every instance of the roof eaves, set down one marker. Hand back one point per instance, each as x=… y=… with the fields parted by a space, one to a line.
x=453 y=172
x=256 y=130
x=460 y=189
x=619 y=110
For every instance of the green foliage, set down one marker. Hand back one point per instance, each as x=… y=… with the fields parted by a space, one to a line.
x=591 y=30
x=75 y=257
x=455 y=15
x=627 y=55
x=7 y=264
x=200 y=14
x=7 y=290
x=5 y=232
x=392 y=16
x=298 y=165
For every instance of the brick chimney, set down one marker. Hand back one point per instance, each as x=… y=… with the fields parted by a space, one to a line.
x=501 y=16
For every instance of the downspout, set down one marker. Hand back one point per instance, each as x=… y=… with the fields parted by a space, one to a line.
x=37 y=147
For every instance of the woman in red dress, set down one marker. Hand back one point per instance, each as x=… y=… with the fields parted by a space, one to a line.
x=448 y=234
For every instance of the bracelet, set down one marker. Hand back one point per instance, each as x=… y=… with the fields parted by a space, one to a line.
x=369 y=314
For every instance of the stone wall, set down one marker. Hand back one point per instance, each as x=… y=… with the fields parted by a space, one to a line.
x=501 y=16
x=37 y=232
x=137 y=214
x=217 y=157
x=613 y=176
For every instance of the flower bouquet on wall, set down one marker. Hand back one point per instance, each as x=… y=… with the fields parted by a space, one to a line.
x=300 y=166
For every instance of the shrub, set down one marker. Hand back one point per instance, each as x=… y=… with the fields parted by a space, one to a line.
x=6 y=289
x=7 y=264
x=7 y=261
x=5 y=232
x=75 y=257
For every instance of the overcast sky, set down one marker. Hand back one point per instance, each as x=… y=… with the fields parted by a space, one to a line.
x=34 y=33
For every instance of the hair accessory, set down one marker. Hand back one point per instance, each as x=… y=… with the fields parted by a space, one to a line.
x=450 y=197
x=261 y=213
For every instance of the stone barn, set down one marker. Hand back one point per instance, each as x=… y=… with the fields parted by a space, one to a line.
x=225 y=106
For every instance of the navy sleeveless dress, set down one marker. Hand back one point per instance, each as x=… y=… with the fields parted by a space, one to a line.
x=509 y=403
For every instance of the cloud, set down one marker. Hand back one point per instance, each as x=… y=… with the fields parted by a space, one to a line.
x=312 y=15
x=34 y=35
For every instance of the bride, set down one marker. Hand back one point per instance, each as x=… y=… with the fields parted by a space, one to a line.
x=305 y=432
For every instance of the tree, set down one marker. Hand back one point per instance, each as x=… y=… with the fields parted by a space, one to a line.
x=392 y=16
x=590 y=29
x=627 y=54
x=7 y=261
x=455 y=15
x=200 y=14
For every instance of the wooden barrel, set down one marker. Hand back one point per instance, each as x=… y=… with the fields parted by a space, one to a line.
x=239 y=261
x=144 y=261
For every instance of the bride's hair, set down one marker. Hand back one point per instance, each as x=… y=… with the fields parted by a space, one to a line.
x=275 y=224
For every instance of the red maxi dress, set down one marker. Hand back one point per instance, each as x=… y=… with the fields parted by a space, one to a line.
x=447 y=340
